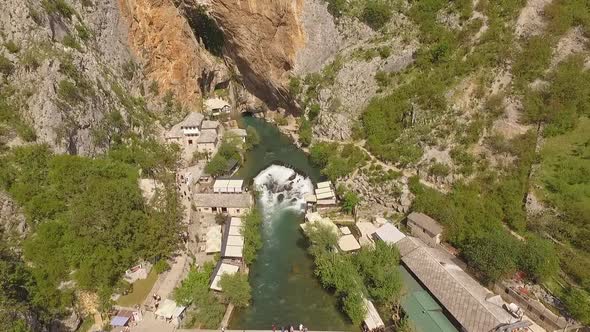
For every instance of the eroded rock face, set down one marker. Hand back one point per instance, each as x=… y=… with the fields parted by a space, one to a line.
x=162 y=38
x=44 y=60
x=12 y=220
x=262 y=37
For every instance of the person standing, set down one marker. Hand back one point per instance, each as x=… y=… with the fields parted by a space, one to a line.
x=274 y=328
x=300 y=327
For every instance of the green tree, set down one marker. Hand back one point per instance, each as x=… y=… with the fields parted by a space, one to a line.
x=493 y=256
x=236 y=289
x=217 y=165
x=379 y=269
x=196 y=280
x=253 y=138
x=350 y=201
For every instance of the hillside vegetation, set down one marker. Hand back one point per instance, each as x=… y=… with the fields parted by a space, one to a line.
x=485 y=90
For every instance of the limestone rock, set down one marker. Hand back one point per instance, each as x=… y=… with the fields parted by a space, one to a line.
x=264 y=52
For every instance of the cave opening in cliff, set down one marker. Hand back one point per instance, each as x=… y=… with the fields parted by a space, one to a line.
x=205 y=29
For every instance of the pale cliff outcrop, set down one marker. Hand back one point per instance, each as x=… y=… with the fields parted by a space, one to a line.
x=162 y=38
x=64 y=67
x=262 y=38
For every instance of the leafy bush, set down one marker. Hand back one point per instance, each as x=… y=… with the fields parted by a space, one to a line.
x=129 y=69
x=384 y=52
x=533 y=60
x=383 y=79
x=314 y=111
x=336 y=160
x=578 y=304
x=377 y=13
x=69 y=92
x=58 y=7
x=349 y=201
x=6 y=66
x=564 y=100
x=305 y=132
x=439 y=169
x=12 y=47
x=252 y=236
x=294 y=85
x=83 y=32
x=228 y=150
x=161 y=266
x=71 y=42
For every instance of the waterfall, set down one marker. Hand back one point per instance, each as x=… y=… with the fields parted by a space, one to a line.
x=281 y=188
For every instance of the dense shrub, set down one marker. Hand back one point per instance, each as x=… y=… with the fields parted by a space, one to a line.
x=92 y=221
x=337 y=160
x=6 y=66
x=377 y=13
x=252 y=236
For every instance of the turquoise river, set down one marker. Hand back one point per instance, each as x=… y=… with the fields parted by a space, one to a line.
x=284 y=288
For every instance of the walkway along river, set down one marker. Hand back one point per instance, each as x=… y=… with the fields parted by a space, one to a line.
x=284 y=289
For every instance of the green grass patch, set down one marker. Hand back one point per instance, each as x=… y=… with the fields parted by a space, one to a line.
x=140 y=291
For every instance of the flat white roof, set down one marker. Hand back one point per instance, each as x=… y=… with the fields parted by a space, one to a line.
x=310 y=198
x=326 y=202
x=323 y=190
x=367 y=229
x=389 y=233
x=345 y=230
x=234 y=251
x=372 y=318
x=220 y=183
x=235 y=221
x=213 y=239
x=325 y=195
x=235 y=230
x=224 y=268
x=313 y=216
x=235 y=240
x=324 y=184
x=348 y=243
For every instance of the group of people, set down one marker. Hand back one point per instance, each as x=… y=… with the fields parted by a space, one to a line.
x=289 y=328
x=156 y=299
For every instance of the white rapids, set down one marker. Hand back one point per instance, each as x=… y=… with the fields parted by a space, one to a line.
x=282 y=188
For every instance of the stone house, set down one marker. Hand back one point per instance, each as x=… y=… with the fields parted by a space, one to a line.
x=207 y=141
x=425 y=228
x=187 y=131
x=232 y=204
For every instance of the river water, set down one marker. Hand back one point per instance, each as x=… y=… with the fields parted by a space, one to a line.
x=284 y=288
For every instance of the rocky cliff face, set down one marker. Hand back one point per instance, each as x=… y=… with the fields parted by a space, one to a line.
x=65 y=62
x=68 y=65
x=171 y=55
x=262 y=38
